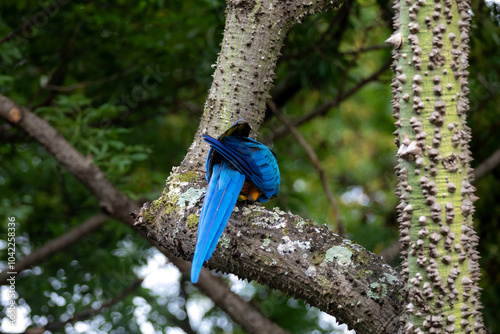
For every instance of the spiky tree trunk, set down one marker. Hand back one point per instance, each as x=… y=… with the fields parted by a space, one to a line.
x=430 y=104
x=270 y=246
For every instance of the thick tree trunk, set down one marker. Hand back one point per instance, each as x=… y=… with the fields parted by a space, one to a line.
x=271 y=246
x=430 y=104
x=244 y=70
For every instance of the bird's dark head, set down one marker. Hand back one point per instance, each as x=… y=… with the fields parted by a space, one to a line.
x=240 y=128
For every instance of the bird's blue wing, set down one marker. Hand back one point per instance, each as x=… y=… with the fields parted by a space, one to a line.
x=240 y=128
x=255 y=160
x=222 y=192
x=232 y=159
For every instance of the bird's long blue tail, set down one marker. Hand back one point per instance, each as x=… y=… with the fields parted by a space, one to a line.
x=223 y=190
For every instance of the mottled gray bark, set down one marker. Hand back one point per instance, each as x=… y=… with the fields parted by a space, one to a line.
x=272 y=247
x=284 y=251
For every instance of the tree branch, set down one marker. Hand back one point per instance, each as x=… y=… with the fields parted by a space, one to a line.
x=487 y=166
x=100 y=81
x=334 y=33
x=248 y=317
x=289 y=85
x=58 y=75
x=324 y=108
x=366 y=49
x=317 y=165
x=283 y=251
x=119 y=206
x=391 y=253
x=56 y=245
x=8 y=136
x=111 y=200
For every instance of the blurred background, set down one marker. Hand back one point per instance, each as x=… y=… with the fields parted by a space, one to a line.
x=125 y=83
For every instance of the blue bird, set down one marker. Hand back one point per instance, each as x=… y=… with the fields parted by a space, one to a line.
x=237 y=167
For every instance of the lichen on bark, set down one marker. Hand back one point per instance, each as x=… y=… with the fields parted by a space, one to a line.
x=272 y=247
x=436 y=196
x=284 y=251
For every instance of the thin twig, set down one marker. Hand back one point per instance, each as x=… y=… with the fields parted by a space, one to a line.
x=487 y=166
x=324 y=108
x=15 y=33
x=390 y=253
x=314 y=46
x=56 y=245
x=366 y=49
x=89 y=83
x=9 y=136
x=340 y=23
x=58 y=75
x=314 y=158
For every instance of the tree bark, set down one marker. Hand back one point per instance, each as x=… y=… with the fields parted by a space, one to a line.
x=430 y=105
x=120 y=206
x=272 y=247
x=283 y=251
x=58 y=244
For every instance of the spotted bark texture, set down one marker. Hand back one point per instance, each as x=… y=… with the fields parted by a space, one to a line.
x=244 y=70
x=284 y=251
x=436 y=196
x=272 y=247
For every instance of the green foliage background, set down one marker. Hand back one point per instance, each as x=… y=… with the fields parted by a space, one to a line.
x=125 y=83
